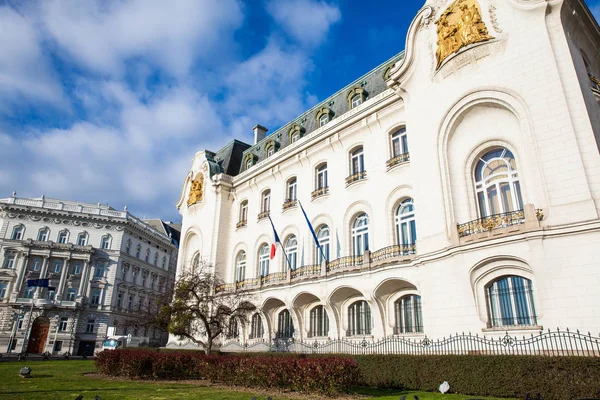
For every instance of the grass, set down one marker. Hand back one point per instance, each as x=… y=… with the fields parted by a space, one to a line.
x=64 y=380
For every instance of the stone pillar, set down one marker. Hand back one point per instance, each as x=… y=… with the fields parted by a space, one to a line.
x=82 y=290
x=21 y=274
x=43 y=271
x=63 y=278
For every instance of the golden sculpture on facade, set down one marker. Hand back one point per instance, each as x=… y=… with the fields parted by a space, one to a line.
x=459 y=26
x=195 y=191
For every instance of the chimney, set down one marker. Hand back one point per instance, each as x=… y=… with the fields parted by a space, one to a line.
x=259 y=133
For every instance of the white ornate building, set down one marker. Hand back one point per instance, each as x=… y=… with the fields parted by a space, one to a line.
x=455 y=188
x=103 y=266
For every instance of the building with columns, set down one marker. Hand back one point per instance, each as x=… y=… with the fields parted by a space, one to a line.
x=454 y=188
x=103 y=266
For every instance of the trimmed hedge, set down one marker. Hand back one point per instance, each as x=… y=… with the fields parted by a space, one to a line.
x=318 y=375
x=555 y=378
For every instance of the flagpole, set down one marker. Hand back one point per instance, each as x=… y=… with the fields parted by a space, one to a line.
x=314 y=236
x=280 y=244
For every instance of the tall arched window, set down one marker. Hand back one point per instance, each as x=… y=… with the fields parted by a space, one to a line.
x=240 y=266
x=357 y=161
x=243 y=211
x=82 y=239
x=359 y=319
x=510 y=302
x=497 y=183
x=291 y=191
x=406 y=226
x=266 y=201
x=63 y=236
x=360 y=235
x=256 y=327
x=321 y=178
x=18 y=232
x=399 y=142
x=319 y=322
x=291 y=249
x=324 y=239
x=407 y=310
x=43 y=234
x=195 y=262
x=356 y=100
x=263 y=260
x=285 y=325
x=233 y=329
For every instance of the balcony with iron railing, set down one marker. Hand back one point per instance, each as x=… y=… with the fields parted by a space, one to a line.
x=288 y=204
x=397 y=160
x=273 y=278
x=263 y=214
x=359 y=176
x=500 y=224
x=241 y=224
x=320 y=192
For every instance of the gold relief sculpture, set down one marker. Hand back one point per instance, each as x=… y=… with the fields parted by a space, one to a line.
x=195 y=195
x=459 y=26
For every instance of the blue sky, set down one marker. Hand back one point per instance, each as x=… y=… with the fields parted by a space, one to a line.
x=107 y=101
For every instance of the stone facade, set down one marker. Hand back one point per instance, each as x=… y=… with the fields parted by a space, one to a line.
x=103 y=266
x=499 y=178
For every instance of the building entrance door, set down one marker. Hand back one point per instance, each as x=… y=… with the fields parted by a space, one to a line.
x=38 y=335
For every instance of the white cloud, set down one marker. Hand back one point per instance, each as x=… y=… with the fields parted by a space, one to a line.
x=307 y=21
x=24 y=71
x=102 y=35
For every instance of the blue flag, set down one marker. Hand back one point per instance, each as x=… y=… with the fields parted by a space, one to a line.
x=38 y=282
x=310 y=227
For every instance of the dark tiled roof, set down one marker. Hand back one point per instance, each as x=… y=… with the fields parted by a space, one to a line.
x=230 y=157
x=372 y=83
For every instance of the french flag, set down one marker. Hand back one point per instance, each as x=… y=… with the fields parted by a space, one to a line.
x=274 y=244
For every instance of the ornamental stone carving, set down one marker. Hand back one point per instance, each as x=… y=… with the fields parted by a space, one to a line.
x=459 y=26
x=195 y=195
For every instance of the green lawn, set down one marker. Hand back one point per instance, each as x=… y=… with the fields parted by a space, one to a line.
x=64 y=380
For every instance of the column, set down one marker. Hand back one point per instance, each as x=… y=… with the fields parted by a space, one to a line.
x=43 y=271
x=63 y=278
x=82 y=290
x=20 y=275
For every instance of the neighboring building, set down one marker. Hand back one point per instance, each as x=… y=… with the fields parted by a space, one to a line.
x=104 y=266
x=455 y=188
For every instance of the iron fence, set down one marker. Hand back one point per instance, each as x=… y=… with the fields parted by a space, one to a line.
x=544 y=343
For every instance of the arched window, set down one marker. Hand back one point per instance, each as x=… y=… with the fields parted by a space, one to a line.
x=233 y=329
x=63 y=236
x=399 y=142
x=407 y=310
x=18 y=232
x=285 y=326
x=324 y=239
x=291 y=190
x=319 y=322
x=270 y=150
x=406 y=226
x=360 y=235
x=497 y=183
x=195 y=262
x=359 y=319
x=128 y=246
x=105 y=245
x=323 y=119
x=249 y=163
x=43 y=234
x=82 y=239
x=291 y=249
x=243 y=211
x=266 y=201
x=256 y=327
x=295 y=136
x=356 y=100
x=263 y=260
x=321 y=177
x=510 y=302
x=240 y=266
x=357 y=161
x=101 y=269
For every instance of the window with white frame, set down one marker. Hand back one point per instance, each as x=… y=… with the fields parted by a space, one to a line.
x=408 y=315
x=399 y=143
x=266 y=201
x=105 y=243
x=357 y=161
x=319 y=322
x=240 y=266
x=43 y=234
x=63 y=237
x=497 y=183
x=36 y=264
x=406 y=226
x=71 y=294
x=18 y=232
x=295 y=136
x=359 y=319
x=62 y=325
x=263 y=260
x=270 y=150
x=285 y=325
x=291 y=189
x=356 y=100
x=3 y=289
x=256 y=327
x=249 y=163
x=101 y=268
x=510 y=302
x=323 y=235
x=50 y=294
x=9 y=261
x=28 y=293
x=360 y=235
x=322 y=182
x=82 y=239
x=76 y=268
x=89 y=328
x=244 y=211
x=95 y=296
x=323 y=120
x=291 y=249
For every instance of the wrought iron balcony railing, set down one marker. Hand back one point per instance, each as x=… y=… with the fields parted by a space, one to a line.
x=344 y=262
x=393 y=251
x=264 y=214
x=492 y=222
x=273 y=277
x=289 y=203
x=320 y=192
x=306 y=270
x=359 y=176
x=241 y=224
x=399 y=159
